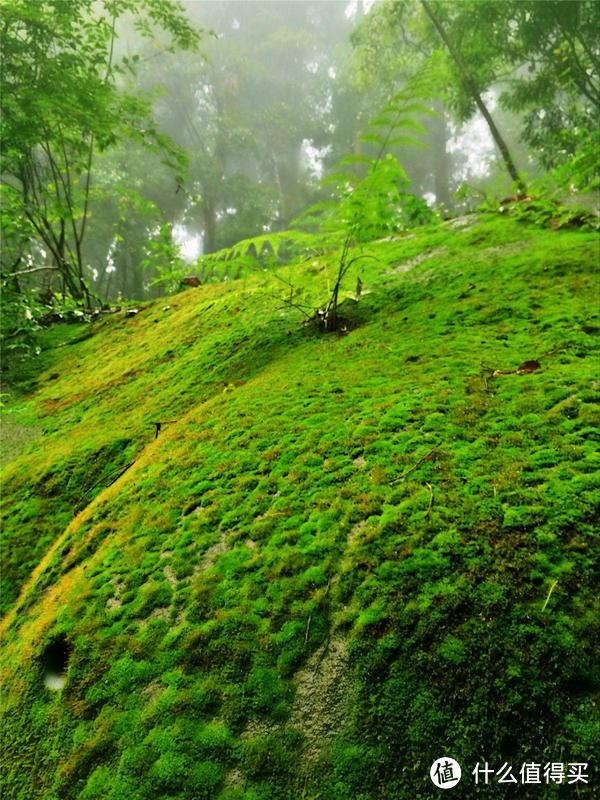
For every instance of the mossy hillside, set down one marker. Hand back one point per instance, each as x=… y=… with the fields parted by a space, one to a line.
x=97 y=409
x=373 y=505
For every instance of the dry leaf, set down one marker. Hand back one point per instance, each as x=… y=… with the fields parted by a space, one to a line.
x=528 y=366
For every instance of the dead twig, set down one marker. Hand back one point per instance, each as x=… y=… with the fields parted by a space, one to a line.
x=307 y=629
x=415 y=465
x=486 y=373
x=430 y=487
x=549 y=595
x=290 y=302
x=118 y=473
x=158 y=426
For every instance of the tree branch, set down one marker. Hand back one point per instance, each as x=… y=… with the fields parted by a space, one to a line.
x=471 y=87
x=29 y=271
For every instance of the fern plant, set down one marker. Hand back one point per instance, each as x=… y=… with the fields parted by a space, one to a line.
x=370 y=199
x=163 y=258
x=260 y=252
x=376 y=203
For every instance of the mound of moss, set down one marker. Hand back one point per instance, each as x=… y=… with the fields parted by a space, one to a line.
x=342 y=557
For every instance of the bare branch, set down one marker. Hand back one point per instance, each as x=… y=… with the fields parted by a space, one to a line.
x=29 y=271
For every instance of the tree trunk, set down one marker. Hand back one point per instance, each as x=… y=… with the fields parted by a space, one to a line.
x=136 y=278
x=441 y=163
x=471 y=86
x=289 y=182
x=64 y=267
x=209 y=238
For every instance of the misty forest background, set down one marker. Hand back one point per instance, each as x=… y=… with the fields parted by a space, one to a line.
x=141 y=137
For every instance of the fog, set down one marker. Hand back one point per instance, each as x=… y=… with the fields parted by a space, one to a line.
x=239 y=135
x=262 y=112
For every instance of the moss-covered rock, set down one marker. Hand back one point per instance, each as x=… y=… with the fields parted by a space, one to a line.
x=390 y=525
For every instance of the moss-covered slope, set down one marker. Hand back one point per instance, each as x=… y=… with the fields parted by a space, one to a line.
x=344 y=555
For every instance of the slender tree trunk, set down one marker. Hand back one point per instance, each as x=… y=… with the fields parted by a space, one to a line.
x=278 y=183
x=441 y=166
x=64 y=267
x=136 y=278
x=471 y=86
x=209 y=239
x=129 y=282
x=289 y=180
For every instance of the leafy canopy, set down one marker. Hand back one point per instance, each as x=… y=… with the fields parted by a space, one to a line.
x=62 y=100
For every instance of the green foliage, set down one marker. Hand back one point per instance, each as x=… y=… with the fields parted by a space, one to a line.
x=548 y=212
x=61 y=103
x=245 y=114
x=548 y=50
x=376 y=203
x=258 y=253
x=24 y=313
x=546 y=206
x=19 y=320
x=373 y=200
x=581 y=171
x=557 y=44
x=163 y=259
x=377 y=206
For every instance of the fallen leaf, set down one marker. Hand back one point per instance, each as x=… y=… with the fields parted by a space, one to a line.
x=528 y=366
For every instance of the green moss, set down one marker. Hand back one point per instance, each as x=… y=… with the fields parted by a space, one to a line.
x=452 y=650
x=381 y=488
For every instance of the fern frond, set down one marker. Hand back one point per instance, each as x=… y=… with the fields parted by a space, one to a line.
x=410 y=123
x=402 y=141
x=355 y=158
x=258 y=253
x=339 y=177
x=375 y=138
x=384 y=119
